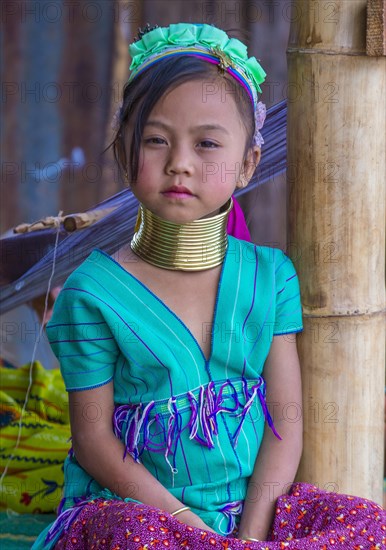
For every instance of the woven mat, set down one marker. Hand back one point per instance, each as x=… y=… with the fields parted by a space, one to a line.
x=19 y=531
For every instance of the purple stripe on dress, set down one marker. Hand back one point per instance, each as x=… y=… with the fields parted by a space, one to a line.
x=89 y=371
x=82 y=388
x=263 y=323
x=49 y=327
x=289 y=278
x=290 y=299
x=254 y=288
x=66 y=355
x=81 y=340
x=282 y=263
x=187 y=470
x=292 y=331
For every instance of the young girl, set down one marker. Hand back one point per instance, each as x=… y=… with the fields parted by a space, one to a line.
x=173 y=349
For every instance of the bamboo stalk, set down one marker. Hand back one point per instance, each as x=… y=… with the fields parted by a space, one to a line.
x=376 y=27
x=336 y=152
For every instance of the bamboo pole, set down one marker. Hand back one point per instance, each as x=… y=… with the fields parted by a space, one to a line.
x=376 y=27
x=127 y=20
x=336 y=209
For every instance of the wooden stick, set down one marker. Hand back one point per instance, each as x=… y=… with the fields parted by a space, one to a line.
x=45 y=223
x=84 y=219
x=72 y=222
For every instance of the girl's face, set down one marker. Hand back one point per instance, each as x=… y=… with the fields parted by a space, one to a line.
x=192 y=152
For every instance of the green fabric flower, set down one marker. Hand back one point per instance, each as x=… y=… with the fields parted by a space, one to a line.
x=187 y=34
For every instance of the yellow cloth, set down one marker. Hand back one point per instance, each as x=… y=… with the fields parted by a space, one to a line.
x=34 y=479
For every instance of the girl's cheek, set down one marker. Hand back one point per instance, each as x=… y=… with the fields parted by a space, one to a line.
x=220 y=174
x=225 y=169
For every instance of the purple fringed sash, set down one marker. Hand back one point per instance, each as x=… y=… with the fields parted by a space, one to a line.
x=131 y=417
x=173 y=433
x=203 y=415
x=65 y=518
x=260 y=391
x=232 y=511
x=132 y=422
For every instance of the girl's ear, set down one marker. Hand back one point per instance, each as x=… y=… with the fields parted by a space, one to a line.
x=250 y=163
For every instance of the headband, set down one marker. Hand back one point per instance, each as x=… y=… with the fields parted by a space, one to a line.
x=204 y=42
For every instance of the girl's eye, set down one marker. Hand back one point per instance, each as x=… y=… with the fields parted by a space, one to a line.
x=155 y=141
x=207 y=144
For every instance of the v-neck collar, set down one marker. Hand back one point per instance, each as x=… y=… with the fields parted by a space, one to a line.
x=169 y=309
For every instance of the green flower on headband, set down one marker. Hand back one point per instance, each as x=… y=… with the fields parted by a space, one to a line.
x=188 y=34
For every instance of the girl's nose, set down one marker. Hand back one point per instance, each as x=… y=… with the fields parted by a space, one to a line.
x=179 y=162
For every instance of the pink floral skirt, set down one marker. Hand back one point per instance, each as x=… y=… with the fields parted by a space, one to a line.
x=307 y=518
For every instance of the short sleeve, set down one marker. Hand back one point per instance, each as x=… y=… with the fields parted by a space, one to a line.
x=288 y=315
x=81 y=339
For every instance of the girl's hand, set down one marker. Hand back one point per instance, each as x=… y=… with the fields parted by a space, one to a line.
x=192 y=519
x=245 y=536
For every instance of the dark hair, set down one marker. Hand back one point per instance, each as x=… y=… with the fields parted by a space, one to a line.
x=142 y=93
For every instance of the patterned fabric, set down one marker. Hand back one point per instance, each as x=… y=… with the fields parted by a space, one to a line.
x=34 y=479
x=305 y=519
x=196 y=423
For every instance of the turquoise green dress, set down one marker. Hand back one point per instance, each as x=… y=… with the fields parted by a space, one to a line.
x=195 y=424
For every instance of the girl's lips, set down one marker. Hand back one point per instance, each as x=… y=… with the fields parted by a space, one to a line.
x=178 y=191
x=177 y=194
